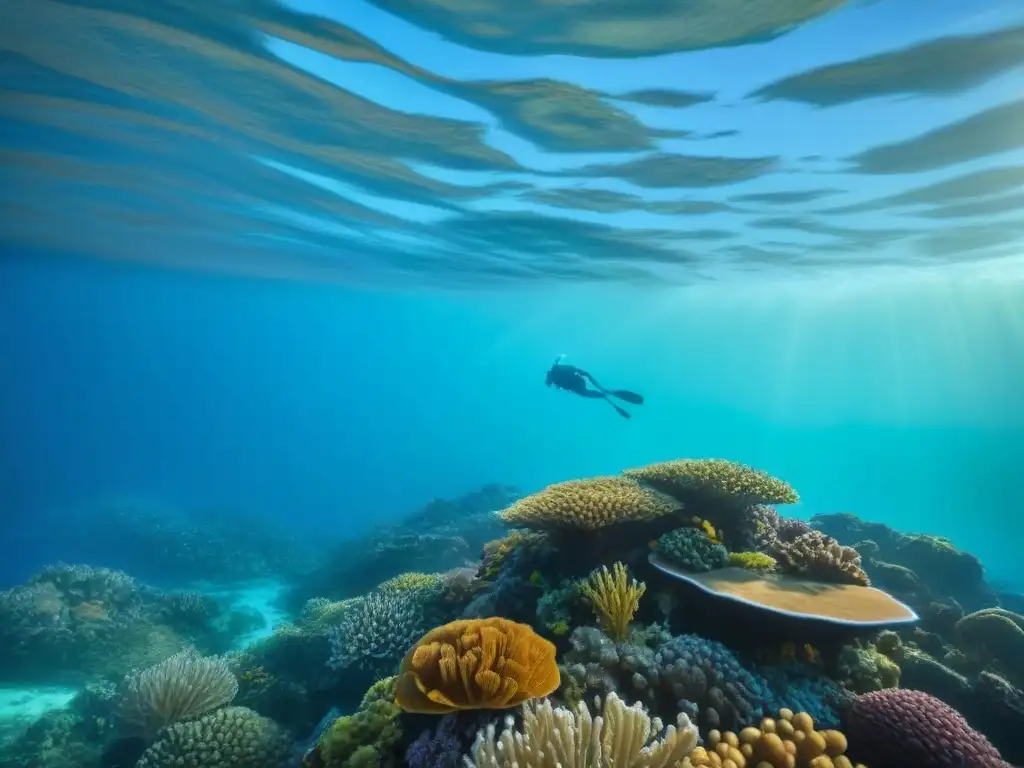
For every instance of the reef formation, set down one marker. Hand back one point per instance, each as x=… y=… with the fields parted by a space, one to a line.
x=669 y=616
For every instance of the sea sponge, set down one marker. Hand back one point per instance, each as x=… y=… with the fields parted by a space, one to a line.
x=715 y=480
x=691 y=549
x=620 y=736
x=755 y=561
x=476 y=664
x=589 y=504
x=234 y=737
x=789 y=741
x=900 y=728
x=615 y=599
x=820 y=557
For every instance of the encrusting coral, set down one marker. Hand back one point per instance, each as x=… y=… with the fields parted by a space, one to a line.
x=589 y=504
x=555 y=737
x=615 y=598
x=790 y=741
x=489 y=663
x=692 y=549
x=715 y=480
x=821 y=557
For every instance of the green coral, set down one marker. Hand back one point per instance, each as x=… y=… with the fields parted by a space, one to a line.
x=366 y=738
x=564 y=607
x=691 y=549
x=865 y=669
x=233 y=737
x=412 y=581
x=755 y=561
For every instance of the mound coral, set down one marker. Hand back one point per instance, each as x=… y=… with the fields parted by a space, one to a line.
x=183 y=687
x=362 y=739
x=234 y=737
x=715 y=480
x=589 y=504
x=899 y=728
x=691 y=549
x=489 y=663
x=615 y=599
x=787 y=742
x=996 y=634
x=755 y=561
x=620 y=736
x=798 y=597
x=820 y=557
x=376 y=631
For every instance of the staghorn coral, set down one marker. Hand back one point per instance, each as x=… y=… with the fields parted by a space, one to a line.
x=615 y=598
x=489 y=663
x=589 y=504
x=789 y=741
x=820 y=557
x=899 y=728
x=755 y=561
x=715 y=480
x=376 y=631
x=182 y=687
x=234 y=737
x=551 y=737
x=692 y=549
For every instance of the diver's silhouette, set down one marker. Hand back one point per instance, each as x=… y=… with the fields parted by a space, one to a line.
x=575 y=380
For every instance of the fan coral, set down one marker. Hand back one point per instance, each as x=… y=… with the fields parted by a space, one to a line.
x=755 y=561
x=692 y=549
x=234 y=737
x=476 y=664
x=375 y=632
x=615 y=599
x=899 y=728
x=821 y=557
x=183 y=687
x=715 y=480
x=790 y=741
x=589 y=504
x=550 y=737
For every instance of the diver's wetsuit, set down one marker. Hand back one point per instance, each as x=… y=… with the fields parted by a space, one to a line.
x=575 y=380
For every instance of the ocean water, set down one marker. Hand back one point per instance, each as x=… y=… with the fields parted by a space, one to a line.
x=288 y=271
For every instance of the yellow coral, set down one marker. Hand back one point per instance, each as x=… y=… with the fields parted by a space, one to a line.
x=755 y=561
x=409 y=581
x=790 y=741
x=718 y=478
x=476 y=664
x=615 y=599
x=589 y=504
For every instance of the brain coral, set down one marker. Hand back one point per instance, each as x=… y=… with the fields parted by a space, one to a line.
x=589 y=504
x=899 y=728
x=234 y=737
x=476 y=664
x=715 y=479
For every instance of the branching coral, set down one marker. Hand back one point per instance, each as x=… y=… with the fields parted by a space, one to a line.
x=551 y=737
x=820 y=557
x=376 y=631
x=589 y=504
x=183 y=687
x=715 y=480
x=615 y=598
x=790 y=741
x=476 y=663
x=692 y=550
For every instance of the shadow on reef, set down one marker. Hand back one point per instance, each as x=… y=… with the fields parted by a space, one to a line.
x=601 y=610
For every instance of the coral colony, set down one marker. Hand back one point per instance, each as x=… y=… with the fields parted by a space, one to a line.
x=669 y=616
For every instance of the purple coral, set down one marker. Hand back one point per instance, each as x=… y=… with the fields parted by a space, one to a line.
x=444 y=746
x=899 y=728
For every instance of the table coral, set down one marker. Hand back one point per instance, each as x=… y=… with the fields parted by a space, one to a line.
x=715 y=480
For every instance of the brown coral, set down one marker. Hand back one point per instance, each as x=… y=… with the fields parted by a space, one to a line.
x=589 y=504
x=476 y=664
x=790 y=741
x=820 y=557
x=715 y=479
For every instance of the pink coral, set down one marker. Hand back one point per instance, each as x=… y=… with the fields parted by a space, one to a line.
x=899 y=728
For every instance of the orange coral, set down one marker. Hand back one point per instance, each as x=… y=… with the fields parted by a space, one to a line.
x=476 y=664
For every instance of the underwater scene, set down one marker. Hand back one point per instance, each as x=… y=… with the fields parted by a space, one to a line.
x=512 y=384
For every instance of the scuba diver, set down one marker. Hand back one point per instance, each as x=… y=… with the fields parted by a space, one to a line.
x=575 y=380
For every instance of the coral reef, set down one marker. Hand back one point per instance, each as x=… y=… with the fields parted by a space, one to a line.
x=820 y=557
x=691 y=549
x=366 y=738
x=376 y=631
x=589 y=504
x=475 y=664
x=715 y=480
